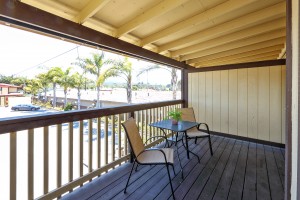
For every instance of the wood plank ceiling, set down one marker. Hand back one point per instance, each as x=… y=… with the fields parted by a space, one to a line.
x=201 y=33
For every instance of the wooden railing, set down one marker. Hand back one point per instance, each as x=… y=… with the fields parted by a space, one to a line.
x=55 y=153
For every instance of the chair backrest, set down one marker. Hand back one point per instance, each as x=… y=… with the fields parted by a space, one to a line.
x=188 y=114
x=133 y=136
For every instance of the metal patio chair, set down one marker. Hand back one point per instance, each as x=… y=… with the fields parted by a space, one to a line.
x=142 y=156
x=195 y=133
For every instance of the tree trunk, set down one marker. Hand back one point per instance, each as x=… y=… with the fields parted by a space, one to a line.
x=65 y=100
x=174 y=83
x=129 y=91
x=129 y=95
x=54 y=94
x=98 y=97
x=45 y=95
x=78 y=99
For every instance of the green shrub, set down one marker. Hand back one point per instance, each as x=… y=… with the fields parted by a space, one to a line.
x=68 y=107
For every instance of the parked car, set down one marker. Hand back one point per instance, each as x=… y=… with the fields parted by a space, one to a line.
x=25 y=107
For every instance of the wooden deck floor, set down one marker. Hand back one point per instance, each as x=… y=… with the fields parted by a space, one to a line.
x=237 y=170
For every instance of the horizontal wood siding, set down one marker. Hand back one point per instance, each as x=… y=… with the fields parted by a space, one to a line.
x=244 y=102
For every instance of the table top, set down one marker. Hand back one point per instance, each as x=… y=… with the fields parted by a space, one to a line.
x=180 y=127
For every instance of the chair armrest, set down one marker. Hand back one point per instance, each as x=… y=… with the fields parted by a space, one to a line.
x=205 y=124
x=159 y=136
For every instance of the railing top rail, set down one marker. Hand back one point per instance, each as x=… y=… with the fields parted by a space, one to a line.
x=20 y=123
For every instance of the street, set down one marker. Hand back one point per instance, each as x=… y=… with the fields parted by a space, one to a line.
x=7 y=112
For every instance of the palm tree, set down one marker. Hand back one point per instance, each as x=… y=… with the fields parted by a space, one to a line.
x=174 y=77
x=81 y=63
x=44 y=81
x=54 y=75
x=93 y=66
x=66 y=81
x=121 y=69
x=33 y=86
x=78 y=82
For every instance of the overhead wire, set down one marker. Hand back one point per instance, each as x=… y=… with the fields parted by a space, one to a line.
x=38 y=65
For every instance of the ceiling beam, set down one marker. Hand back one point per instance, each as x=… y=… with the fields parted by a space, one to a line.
x=221 y=9
x=241 y=60
x=283 y=52
x=21 y=14
x=66 y=12
x=53 y=7
x=271 y=12
x=236 y=44
x=246 y=33
x=229 y=59
x=236 y=52
x=89 y=10
x=150 y=14
x=266 y=63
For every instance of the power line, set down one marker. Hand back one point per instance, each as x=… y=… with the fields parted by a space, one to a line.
x=46 y=60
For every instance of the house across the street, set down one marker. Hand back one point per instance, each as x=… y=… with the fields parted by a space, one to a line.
x=7 y=91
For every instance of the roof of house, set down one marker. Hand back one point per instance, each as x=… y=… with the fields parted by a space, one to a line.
x=4 y=85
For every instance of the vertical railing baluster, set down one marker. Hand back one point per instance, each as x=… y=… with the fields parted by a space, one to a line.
x=142 y=124
x=125 y=138
x=113 y=139
x=70 y=152
x=46 y=159
x=160 y=113
x=138 y=119
x=30 y=169
x=90 y=145
x=59 y=148
x=155 y=120
x=159 y=117
x=80 y=149
x=146 y=124
x=98 y=142
x=150 y=120
x=106 y=140
x=119 y=137
x=13 y=165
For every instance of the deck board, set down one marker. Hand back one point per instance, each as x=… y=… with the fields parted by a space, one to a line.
x=237 y=170
x=263 y=188
x=276 y=187
x=237 y=184
x=250 y=176
x=227 y=176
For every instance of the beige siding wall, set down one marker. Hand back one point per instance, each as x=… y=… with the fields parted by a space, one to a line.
x=244 y=102
x=4 y=90
x=12 y=90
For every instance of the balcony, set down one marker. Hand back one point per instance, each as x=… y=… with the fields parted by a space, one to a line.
x=240 y=76
x=78 y=155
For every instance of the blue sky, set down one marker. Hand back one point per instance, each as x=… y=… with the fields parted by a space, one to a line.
x=25 y=53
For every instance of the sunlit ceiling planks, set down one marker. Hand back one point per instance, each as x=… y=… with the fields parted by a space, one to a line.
x=199 y=32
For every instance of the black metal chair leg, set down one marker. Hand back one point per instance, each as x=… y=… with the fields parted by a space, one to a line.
x=211 y=152
x=187 y=146
x=136 y=168
x=181 y=168
x=170 y=181
x=173 y=170
x=196 y=140
x=129 y=176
